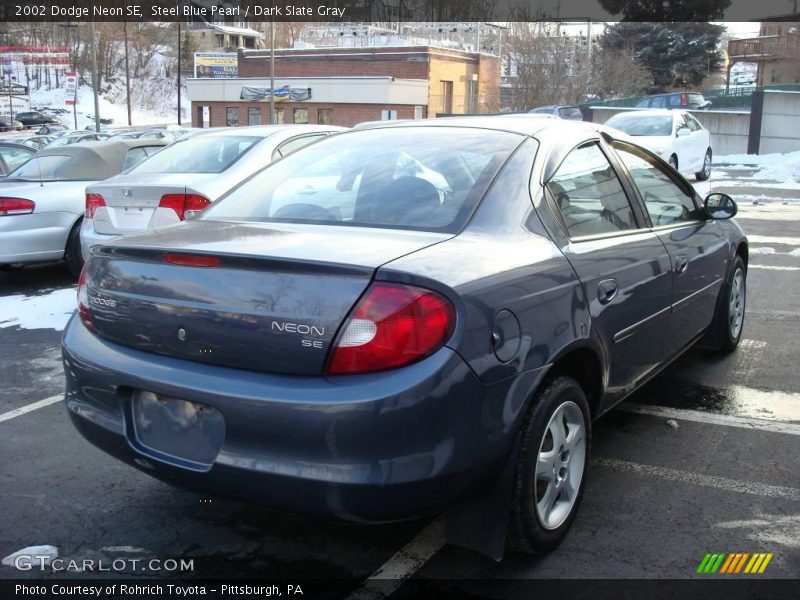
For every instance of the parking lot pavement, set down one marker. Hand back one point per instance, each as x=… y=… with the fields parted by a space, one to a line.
x=704 y=459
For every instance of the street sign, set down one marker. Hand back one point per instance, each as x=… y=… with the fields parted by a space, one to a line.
x=70 y=88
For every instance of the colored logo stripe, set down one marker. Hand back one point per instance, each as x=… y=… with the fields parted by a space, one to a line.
x=737 y=562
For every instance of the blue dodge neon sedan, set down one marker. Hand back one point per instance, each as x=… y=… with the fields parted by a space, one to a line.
x=406 y=319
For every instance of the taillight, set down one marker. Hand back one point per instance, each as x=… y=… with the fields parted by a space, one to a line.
x=15 y=206
x=393 y=325
x=186 y=206
x=684 y=100
x=83 y=298
x=93 y=202
x=192 y=260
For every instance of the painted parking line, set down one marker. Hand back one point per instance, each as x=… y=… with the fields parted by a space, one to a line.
x=407 y=561
x=700 y=479
x=772 y=268
x=774 y=239
x=7 y=416
x=699 y=416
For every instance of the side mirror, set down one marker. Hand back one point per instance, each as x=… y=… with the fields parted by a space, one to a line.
x=682 y=132
x=719 y=206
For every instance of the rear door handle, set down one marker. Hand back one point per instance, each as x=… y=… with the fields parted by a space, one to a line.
x=681 y=264
x=606 y=290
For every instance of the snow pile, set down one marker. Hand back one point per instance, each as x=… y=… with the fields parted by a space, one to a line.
x=48 y=311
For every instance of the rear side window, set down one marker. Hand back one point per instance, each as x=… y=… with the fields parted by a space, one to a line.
x=14 y=157
x=136 y=155
x=290 y=146
x=588 y=194
x=201 y=154
x=426 y=178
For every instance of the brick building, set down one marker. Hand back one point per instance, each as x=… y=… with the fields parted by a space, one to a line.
x=348 y=85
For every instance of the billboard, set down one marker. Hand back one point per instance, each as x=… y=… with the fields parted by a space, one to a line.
x=216 y=65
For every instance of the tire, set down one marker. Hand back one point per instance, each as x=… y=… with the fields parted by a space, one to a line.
x=706 y=172
x=72 y=253
x=729 y=317
x=533 y=527
x=673 y=162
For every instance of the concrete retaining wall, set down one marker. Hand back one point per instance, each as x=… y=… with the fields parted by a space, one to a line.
x=780 y=122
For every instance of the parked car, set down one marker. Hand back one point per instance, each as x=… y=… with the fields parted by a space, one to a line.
x=12 y=155
x=572 y=113
x=37 y=142
x=685 y=100
x=675 y=135
x=52 y=129
x=31 y=118
x=744 y=79
x=187 y=177
x=158 y=134
x=42 y=201
x=405 y=351
x=7 y=124
x=78 y=137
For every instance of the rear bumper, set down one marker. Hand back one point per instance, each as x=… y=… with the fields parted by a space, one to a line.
x=370 y=448
x=89 y=238
x=36 y=237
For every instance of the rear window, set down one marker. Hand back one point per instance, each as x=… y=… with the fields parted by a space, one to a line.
x=45 y=168
x=203 y=154
x=642 y=126
x=424 y=178
x=570 y=112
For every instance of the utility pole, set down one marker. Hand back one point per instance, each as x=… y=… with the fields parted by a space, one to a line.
x=95 y=83
x=127 y=72
x=272 y=70
x=179 y=72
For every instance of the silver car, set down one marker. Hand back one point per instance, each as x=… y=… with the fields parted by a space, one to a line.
x=43 y=200
x=186 y=177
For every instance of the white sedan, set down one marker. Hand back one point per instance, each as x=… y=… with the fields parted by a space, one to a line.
x=675 y=135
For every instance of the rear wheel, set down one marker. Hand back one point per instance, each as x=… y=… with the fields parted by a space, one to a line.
x=551 y=467
x=706 y=172
x=72 y=253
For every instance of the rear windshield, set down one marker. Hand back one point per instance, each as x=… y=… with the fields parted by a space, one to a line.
x=202 y=154
x=45 y=168
x=424 y=178
x=635 y=125
x=570 y=112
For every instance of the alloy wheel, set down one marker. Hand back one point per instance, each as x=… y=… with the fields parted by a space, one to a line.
x=560 y=465
x=736 y=304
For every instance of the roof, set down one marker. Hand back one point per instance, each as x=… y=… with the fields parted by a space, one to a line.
x=98 y=160
x=243 y=31
x=265 y=130
x=518 y=123
x=652 y=112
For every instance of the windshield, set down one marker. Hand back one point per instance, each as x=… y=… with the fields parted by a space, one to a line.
x=202 y=154
x=426 y=178
x=44 y=168
x=645 y=126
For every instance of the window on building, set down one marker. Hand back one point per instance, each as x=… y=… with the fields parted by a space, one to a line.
x=417 y=113
x=254 y=116
x=301 y=115
x=325 y=116
x=232 y=116
x=277 y=118
x=447 y=96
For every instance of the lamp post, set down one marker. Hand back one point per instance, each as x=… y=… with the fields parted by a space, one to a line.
x=272 y=70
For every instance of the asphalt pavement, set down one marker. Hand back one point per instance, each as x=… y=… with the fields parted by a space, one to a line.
x=704 y=459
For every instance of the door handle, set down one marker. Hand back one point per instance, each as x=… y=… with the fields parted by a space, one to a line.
x=606 y=290
x=681 y=264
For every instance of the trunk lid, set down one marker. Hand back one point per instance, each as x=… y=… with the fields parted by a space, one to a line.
x=132 y=201
x=273 y=303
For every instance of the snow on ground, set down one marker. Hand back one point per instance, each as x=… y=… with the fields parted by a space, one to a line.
x=47 y=311
x=782 y=170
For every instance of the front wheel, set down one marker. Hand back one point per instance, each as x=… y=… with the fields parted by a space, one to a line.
x=551 y=467
x=673 y=162
x=706 y=172
x=729 y=317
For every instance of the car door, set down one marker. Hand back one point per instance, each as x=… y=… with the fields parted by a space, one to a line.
x=622 y=265
x=682 y=144
x=696 y=245
x=701 y=139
